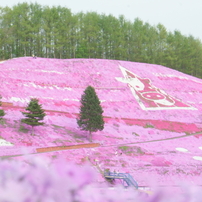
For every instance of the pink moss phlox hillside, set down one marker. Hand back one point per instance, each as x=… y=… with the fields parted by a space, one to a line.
x=59 y=84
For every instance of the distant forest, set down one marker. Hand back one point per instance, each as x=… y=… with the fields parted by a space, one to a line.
x=55 y=32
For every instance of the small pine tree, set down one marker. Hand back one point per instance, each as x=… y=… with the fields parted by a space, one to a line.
x=35 y=114
x=90 y=117
x=2 y=113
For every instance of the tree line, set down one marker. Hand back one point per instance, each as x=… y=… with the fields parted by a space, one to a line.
x=55 y=32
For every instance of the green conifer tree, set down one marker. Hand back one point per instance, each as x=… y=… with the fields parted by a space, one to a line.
x=35 y=114
x=2 y=113
x=90 y=117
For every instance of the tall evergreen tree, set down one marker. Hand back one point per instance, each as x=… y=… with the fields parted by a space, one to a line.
x=35 y=114
x=2 y=113
x=90 y=118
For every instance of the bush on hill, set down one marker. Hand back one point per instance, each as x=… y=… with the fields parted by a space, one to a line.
x=35 y=114
x=2 y=113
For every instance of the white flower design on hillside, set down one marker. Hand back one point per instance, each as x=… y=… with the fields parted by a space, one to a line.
x=148 y=96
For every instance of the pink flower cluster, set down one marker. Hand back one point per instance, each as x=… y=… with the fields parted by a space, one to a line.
x=58 y=181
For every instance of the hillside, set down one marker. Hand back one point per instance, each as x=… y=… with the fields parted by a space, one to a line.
x=152 y=115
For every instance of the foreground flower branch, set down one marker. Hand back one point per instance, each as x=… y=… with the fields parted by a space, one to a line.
x=39 y=180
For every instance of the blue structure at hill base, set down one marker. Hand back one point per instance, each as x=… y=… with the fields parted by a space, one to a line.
x=126 y=177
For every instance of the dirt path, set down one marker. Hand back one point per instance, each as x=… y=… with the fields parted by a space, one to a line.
x=56 y=148
x=93 y=145
x=158 y=140
x=59 y=148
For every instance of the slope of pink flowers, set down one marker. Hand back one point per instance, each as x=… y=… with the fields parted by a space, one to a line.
x=166 y=141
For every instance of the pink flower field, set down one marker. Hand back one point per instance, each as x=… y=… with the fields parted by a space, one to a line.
x=153 y=119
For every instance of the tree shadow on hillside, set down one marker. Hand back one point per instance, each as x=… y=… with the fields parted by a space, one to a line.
x=78 y=134
x=75 y=133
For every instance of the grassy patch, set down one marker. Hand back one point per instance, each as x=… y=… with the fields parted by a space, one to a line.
x=79 y=141
x=110 y=163
x=148 y=125
x=58 y=141
x=129 y=124
x=68 y=131
x=124 y=148
x=172 y=152
x=67 y=141
x=107 y=160
x=2 y=121
x=84 y=159
x=178 y=170
x=165 y=171
x=77 y=135
x=135 y=134
x=23 y=129
x=96 y=153
x=187 y=133
x=56 y=126
x=54 y=156
x=120 y=138
x=129 y=152
x=132 y=150
x=139 y=150
x=116 y=125
x=123 y=163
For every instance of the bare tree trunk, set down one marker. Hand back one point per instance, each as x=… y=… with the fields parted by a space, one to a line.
x=32 y=130
x=25 y=52
x=90 y=136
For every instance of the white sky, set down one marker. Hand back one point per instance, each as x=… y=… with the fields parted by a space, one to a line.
x=182 y=15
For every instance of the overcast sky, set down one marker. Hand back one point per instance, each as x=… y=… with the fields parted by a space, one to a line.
x=182 y=15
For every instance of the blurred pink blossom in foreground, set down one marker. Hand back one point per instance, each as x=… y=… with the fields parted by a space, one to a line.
x=39 y=180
